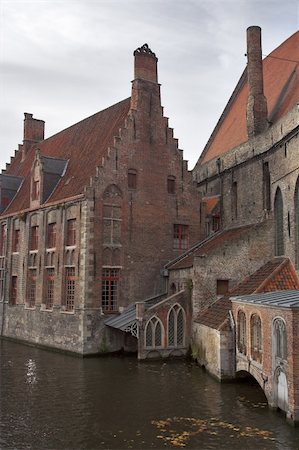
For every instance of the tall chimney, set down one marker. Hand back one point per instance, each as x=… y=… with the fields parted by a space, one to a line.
x=34 y=130
x=145 y=67
x=256 y=104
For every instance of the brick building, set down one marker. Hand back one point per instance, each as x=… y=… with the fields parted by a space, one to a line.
x=89 y=217
x=154 y=258
x=248 y=180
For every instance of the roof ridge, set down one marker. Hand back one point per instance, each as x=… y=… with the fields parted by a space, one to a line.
x=83 y=120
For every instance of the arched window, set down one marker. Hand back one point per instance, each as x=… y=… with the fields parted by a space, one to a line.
x=154 y=333
x=280 y=339
x=297 y=223
x=176 y=326
x=256 y=338
x=278 y=215
x=241 y=342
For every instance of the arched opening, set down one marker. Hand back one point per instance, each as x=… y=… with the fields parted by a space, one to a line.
x=256 y=338
x=241 y=337
x=154 y=333
x=279 y=339
x=176 y=327
x=250 y=390
x=278 y=216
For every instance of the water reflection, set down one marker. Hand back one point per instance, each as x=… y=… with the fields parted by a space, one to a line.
x=31 y=371
x=66 y=402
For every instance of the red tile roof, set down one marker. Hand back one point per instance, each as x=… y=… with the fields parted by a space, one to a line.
x=281 y=88
x=83 y=144
x=277 y=274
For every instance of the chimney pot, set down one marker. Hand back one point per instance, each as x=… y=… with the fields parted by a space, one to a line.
x=145 y=66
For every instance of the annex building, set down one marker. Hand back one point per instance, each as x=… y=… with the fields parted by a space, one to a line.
x=108 y=242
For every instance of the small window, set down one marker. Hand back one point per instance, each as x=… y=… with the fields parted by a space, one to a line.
x=180 y=237
x=71 y=232
x=51 y=235
x=171 y=185
x=34 y=238
x=132 y=179
x=222 y=287
x=16 y=241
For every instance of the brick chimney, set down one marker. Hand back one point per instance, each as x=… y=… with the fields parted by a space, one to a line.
x=145 y=67
x=256 y=104
x=34 y=130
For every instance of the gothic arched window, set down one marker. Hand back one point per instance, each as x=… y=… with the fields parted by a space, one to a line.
x=278 y=216
x=154 y=333
x=280 y=339
x=256 y=337
x=241 y=342
x=176 y=326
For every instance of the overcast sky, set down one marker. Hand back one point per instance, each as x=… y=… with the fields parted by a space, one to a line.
x=64 y=60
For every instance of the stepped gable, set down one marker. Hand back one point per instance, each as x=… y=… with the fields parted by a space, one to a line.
x=277 y=274
x=83 y=145
x=281 y=89
x=186 y=260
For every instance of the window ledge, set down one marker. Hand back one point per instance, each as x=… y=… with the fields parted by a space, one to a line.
x=62 y=311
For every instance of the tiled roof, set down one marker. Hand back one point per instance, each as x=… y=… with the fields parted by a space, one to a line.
x=281 y=88
x=277 y=274
x=83 y=145
x=204 y=247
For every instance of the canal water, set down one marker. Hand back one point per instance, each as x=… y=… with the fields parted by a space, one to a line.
x=55 y=401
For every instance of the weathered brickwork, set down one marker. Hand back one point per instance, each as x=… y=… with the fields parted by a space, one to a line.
x=265 y=372
x=137 y=209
